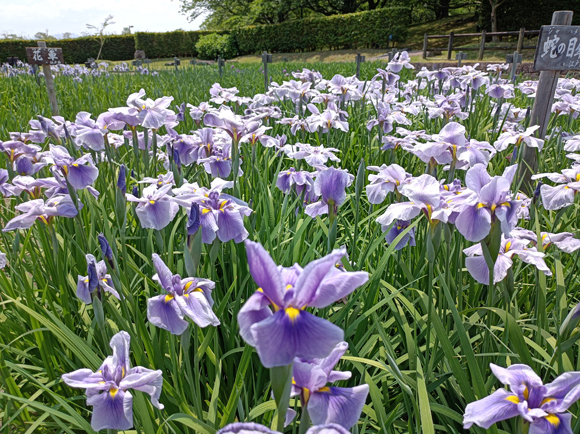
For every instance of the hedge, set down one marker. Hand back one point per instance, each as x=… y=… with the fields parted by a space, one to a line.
x=516 y=14
x=78 y=50
x=363 y=29
x=169 y=44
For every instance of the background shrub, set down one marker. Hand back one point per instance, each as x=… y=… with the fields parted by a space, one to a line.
x=211 y=46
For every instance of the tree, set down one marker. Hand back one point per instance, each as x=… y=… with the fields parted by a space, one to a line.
x=494 y=5
x=44 y=36
x=66 y=35
x=126 y=30
x=441 y=8
x=100 y=32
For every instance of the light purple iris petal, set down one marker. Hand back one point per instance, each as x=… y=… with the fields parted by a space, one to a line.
x=196 y=306
x=246 y=428
x=85 y=379
x=166 y=314
x=82 y=175
x=554 y=198
x=112 y=412
x=329 y=362
x=399 y=211
x=288 y=334
x=310 y=280
x=329 y=428
x=254 y=310
x=535 y=258
x=395 y=231
x=231 y=226
x=337 y=285
x=565 y=388
x=491 y=409
x=163 y=275
x=307 y=375
x=474 y=223
x=157 y=215
x=265 y=272
x=83 y=291
x=543 y=426
x=315 y=209
x=518 y=377
x=477 y=177
x=339 y=405
x=145 y=380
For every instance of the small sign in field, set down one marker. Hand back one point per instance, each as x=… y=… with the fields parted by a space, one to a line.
x=558 y=49
x=44 y=56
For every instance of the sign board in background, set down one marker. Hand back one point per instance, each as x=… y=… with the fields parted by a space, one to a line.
x=44 y=56
x=558 y=49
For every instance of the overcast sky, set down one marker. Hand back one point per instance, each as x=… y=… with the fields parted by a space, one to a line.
x=26 y=17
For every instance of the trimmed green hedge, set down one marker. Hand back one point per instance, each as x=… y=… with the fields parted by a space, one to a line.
x=209 y=47
x=116 y=47
x=363 y=29
x=169 y=44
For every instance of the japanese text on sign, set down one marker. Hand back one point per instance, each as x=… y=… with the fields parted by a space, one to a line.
x=558 y=48
x=44 y=56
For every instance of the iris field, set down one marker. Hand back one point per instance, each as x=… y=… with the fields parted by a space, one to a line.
x=150 y=235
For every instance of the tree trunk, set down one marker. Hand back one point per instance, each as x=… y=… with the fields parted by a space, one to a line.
x=442 y=9
x=494 y=6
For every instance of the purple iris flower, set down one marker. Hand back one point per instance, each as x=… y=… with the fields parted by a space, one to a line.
x=161 y=180
x=396 y=230
x=153 y=114
x=315 y=156
x=291 y=331
x=491 y=202
x=24 y=165
x=225 y=119
x=189 y=297
x=384 y=118
x=105 y=247
x=327 y=404
x=107 y=388
x=400 y=60
x=300 y=181
x=543 y=406
x=330 y=185
x=122 y=179
x=277 y=142
x=477 y=266
x=184 y=146
x=80 y=173
x=326 y=120
x=58 y=205
x=425 y=195
x=514 y=137
x=388 y=179
x=89 y=133
x=219 y=163
x=155 y=209
x=564 y=241
x=256 y=428
x=347 y=88
x=15 y=148
x=96 y=280
x=560 y=196
x=197 y=112
x=5 y=188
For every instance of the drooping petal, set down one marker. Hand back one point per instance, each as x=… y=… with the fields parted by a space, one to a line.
x=231 y=226
x=498 y=406
x=112 y=410
x=291 y=333
x=164 y=312
x=337 y=285
x=83 y=291
x=518 y=377
x=254 y=310
x=565 y=389
x=477 y=177
x=554 y=198
x=308 y=375
x=164 y=274
x=121 y=344
x=474 y=222
x=196 y=306
x=145 y=380
x=399 y=211
x=552 y=424
x=84 y=379
x=82 y=175
x=329 y=428
x=340 y=405
x=157 y=215
x=245 y=427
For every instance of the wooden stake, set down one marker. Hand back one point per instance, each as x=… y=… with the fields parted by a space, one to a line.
x=450 y=46
x=521 y=40
x=49 y=84
x=425 y=41
x=482 y=45
x=541 y=111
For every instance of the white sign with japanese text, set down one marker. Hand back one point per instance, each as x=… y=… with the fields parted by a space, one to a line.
x=558 y=49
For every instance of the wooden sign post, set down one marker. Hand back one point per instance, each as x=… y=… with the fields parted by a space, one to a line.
x=514 y=59
x=221 y=63
x=459 y=57
x=558 y=49
x=46 y=56
x=266 y=58
x=359 y=60
x=391 y=54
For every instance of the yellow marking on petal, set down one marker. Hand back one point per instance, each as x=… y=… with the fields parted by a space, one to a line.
x=75 y=165
x=260 y=290
x=113 y=392
x=398 y=228
x=122 y=372
x=143 y=106
x=152 y=202
x=104 y=280
x=168 y=298
x=546 y=400
x=507 y=247
x=65 y=170
x=446 y=187
x=205 y=211
x=292 y=313
x=306 y=394
x=513 y=398
x=223 y=204
x=187 y=285
x=86 y=280
x=526 y=393
x=506 y=204
x=480 y=205
x=553 y=419
x=577 y=177
x=544 y=237
x=493 y=207
x=43 y=218
x=101 y=382
x=566 y=188
x=288 y=287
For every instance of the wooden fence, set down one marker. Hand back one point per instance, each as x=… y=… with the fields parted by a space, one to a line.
x=519 y=47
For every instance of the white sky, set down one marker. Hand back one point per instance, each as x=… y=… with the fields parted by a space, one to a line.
x=26 y=17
